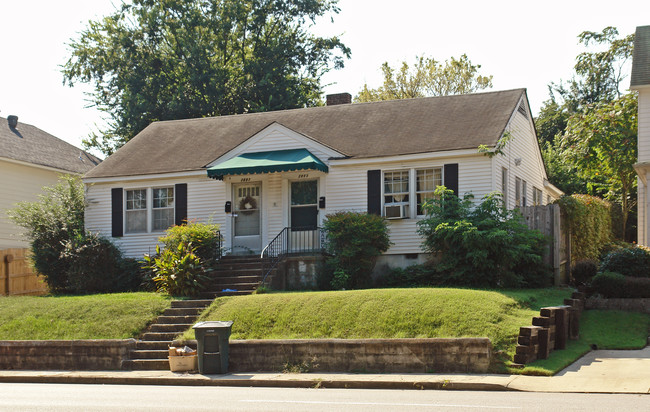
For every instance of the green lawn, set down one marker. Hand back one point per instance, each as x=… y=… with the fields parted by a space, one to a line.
x=605 y=329
x=110 y=316
x=385 y=313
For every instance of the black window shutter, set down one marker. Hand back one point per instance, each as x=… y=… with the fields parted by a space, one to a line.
x=180 y=194
x=117 y=210
x=374 y=192
x=451 y=177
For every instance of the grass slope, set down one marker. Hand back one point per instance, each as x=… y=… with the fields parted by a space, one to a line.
x=599 y=328
x=110 y=316
x=385 y=313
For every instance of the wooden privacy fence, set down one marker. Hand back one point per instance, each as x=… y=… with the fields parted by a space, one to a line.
x=17 y=277
x=548 y=220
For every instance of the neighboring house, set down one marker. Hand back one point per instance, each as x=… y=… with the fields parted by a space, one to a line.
x=640 y=82
x=30 y=159
x=256 y=174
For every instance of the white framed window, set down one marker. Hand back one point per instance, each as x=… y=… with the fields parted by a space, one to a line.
x=162 y=208
x=537 y=196
x=136 y=211
x=426 y=182
x=149 y=210
x=396 y=194
x=401 y=187
x=504 y=185
x=517 y=192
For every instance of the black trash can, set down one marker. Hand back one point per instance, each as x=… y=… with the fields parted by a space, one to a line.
x=212 y=346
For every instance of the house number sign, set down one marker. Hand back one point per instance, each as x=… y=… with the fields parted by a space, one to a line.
x=303 y=176
x=245 y=179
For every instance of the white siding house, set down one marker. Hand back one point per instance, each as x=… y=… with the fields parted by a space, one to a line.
x=640 y=81
x=242 y=171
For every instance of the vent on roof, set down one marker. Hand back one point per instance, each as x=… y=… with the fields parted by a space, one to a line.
x=13 y=121
x=522 y=109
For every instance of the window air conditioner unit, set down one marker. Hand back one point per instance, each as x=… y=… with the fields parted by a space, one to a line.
x=396 y=211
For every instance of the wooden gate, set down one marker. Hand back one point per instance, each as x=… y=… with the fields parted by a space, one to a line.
x=548 y=220
x=17 y=277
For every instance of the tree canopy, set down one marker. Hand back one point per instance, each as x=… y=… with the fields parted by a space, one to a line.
x=169 y=59
x=427 y=77
x=602 y=142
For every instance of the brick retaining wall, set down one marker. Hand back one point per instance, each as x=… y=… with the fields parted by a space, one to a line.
x=629 y=305
x=363 y=355
x=64 y=354
x=317 y=355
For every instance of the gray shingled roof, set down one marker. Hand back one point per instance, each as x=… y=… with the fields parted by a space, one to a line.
x=27 y=143
x=641 y=60
x=357 y=130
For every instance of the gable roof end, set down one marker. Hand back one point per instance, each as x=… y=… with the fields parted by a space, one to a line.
x=641 y=60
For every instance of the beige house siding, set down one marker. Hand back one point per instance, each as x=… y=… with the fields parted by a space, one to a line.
x=20 y=182
x=205 y=202
x=522 y=149
x=347 y=189
x=643 y=223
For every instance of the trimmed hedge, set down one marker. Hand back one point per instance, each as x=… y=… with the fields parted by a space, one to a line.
x=590 y=222
x=633 y=262
x=615 y=285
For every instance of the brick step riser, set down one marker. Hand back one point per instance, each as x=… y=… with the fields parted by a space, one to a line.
x=236 y=286
x=182 y=312
x=221 y=294
x=240 y=259
x=237 y=266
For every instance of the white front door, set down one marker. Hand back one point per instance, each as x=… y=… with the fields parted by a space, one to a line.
x=247 y=218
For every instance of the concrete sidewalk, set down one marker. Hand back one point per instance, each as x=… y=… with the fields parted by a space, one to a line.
x=597 y=372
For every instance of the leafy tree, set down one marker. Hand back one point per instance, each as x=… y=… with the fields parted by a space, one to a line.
x=171 y=59
x=428 y=77
x=57 y=217
x=482 y=245
x=602 y=141
x=598 y=74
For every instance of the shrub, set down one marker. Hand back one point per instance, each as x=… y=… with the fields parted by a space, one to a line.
x=583 y=271
x=633 y=262
x=205 y=237
x=354 y=240
x=608 y=284
x=636 y=287
x=590 y=223
x=411 y=276
x=484 y=245
x=612 y=246
x=178 y=272
x=96 y=265
x=56 y=218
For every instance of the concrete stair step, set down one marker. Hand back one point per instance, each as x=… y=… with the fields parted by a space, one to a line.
x=164 y=319
x=182 y=311
x=217 y=294
x=152 y=345
x=160 y=354
x=191 y=303
x=160 y=336
x=224 y=266
x=146 y=364
x=224 y=280
x=170 y=327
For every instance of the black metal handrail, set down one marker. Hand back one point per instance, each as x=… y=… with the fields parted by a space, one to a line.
x=296 y=240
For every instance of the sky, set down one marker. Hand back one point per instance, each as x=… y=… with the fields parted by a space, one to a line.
x=522 y=44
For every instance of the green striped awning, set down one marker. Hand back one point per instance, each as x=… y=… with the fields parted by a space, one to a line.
x=268 y=162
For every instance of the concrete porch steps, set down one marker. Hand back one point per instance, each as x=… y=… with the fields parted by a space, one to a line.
x=151 y=350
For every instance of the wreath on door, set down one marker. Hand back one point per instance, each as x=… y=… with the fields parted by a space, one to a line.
x=247 y=205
